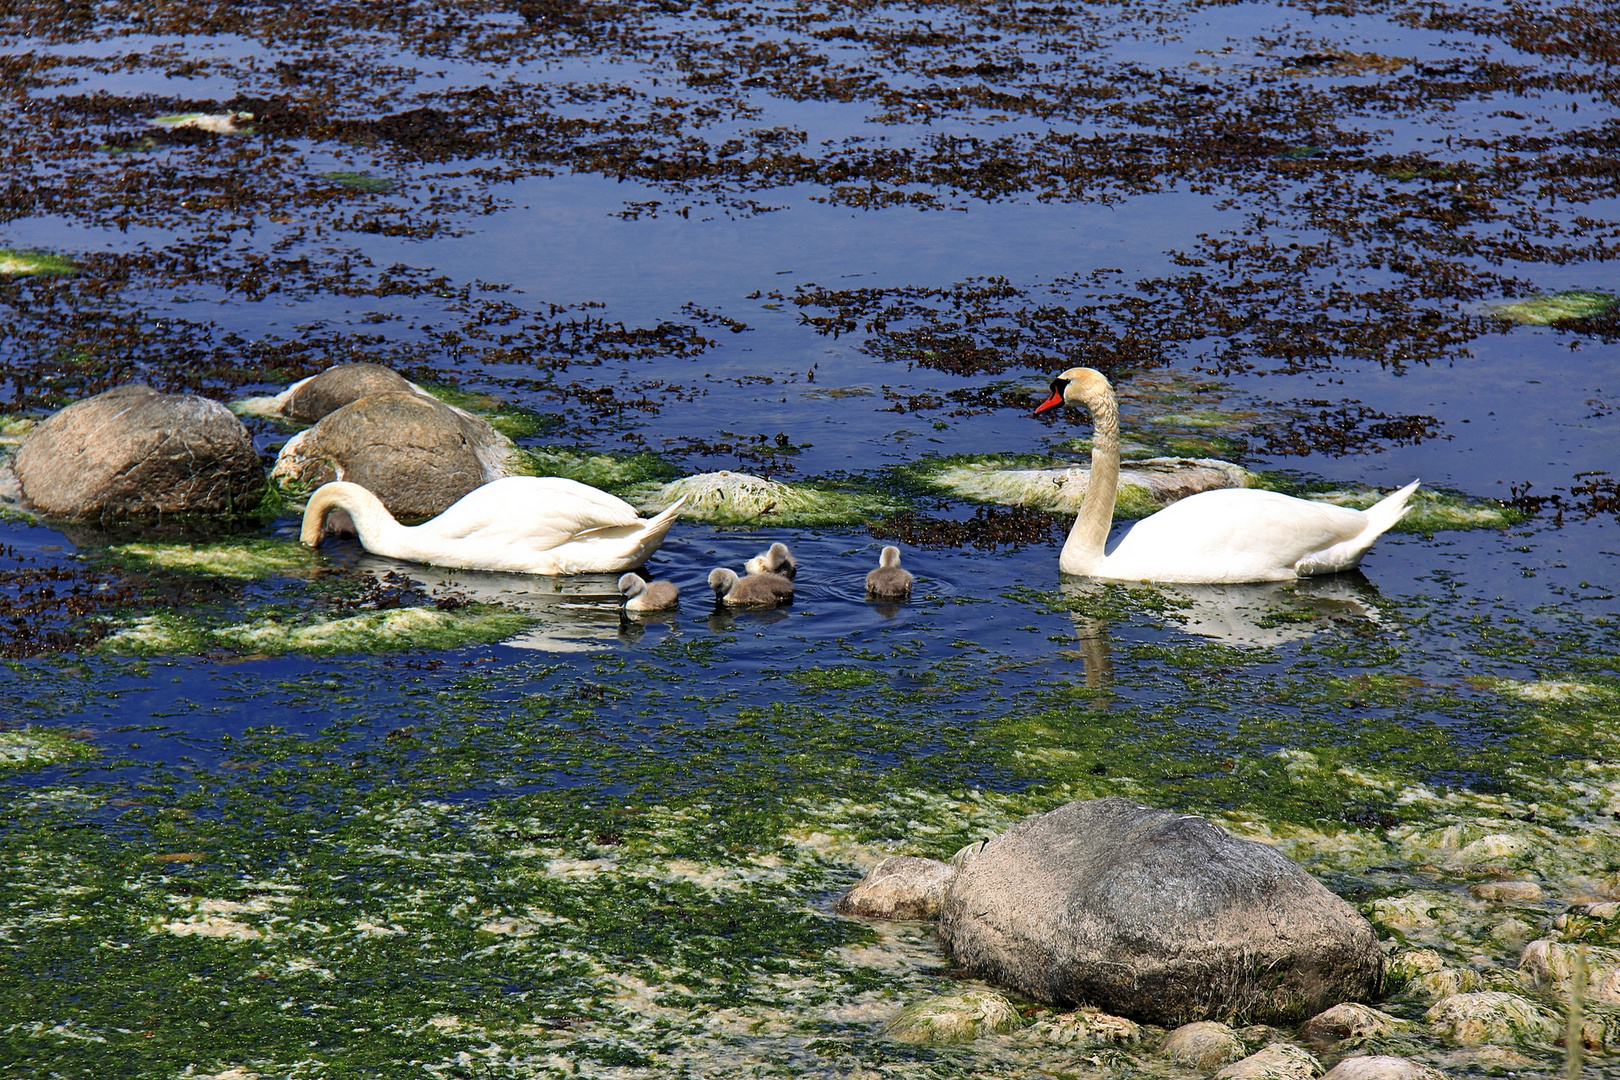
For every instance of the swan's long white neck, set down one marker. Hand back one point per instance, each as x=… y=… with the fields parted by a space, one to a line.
x=378 y=530
x=1084 y=548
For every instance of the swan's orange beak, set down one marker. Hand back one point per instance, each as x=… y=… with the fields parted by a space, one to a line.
x=1052 y=402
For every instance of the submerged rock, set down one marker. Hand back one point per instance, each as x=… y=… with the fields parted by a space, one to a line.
x=954 y=1018
x=1161 y=917
x=229 y=123
x=1203 y=1046
x=737 y=498
x=1087 y=1027
x=1349 y=1020
x=133 y=453
x=901 y=887
x=1546 y=308
x=1510 y=892
x=14 y=263
x=1493 y=1016
x=1425 y=972
x=36 y=747
x=1279 y=1061
x=1382 y=1067
x=1144 y=486
x=1555 y=966
x=413 y=452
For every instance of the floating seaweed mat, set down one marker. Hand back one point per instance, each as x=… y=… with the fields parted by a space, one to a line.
x=218 y=123
x=1431 y=511
x=1548 y=308
x=1144 y=486
x=19 y=263
x=372 y=631
x=738 y=498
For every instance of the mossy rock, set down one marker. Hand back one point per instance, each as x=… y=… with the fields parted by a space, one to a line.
x=513 y=421
x=1430 y=510
x=736 y=498
x=248 y=559
x=618 y=473
x=1145 y=487
x=1547 y=309
x=16 y=262
x=36 y=747
x=954 y=1018
x=369 y=632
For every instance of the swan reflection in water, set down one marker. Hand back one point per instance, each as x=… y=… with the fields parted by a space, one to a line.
x=579 y=613
x=1253 y=616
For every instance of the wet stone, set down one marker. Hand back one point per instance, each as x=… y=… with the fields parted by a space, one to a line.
x=1349 y=1020
x=134 y=454
x=1382 y=1067
x=1279 y=1061
x=1203 y=1046
x=319 y=395
x=1555 y=965
x=1161 y=917
x=954 y=1018
x=901 y=887
x=1492 y=1016
x=416 y=454
x=1087 y=1027
x=1510 y=892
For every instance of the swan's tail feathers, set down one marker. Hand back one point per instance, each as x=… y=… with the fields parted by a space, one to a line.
x=1379 y=518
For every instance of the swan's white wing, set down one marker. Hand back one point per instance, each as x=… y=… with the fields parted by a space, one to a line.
x=540 y=512
x=1235 y=534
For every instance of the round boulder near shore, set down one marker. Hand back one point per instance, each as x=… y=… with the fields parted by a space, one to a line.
x=311 y=400
x=415 y=453
x=133 y=453
x=1161 y=917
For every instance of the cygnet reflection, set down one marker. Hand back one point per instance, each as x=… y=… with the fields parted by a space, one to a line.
x=579 y=613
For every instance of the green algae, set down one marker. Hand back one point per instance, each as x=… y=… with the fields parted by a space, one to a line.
x=735 y=498
x=359 y=181
x=513 y=421
x=229 y=123
x=36 y=747
x=1431 y=510
x=1548 y=309
x=248 y=558
x=22 y=263
x=171 y=633
x=1146 y=486
x=618 y=473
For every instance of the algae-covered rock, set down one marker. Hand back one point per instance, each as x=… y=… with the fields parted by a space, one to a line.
x=1279 y=1061
x=1350 y=1020
x=1556 y=966
x=1507 y=892
x=1493 y=1016
x=1203 y=1046
x=954 y=1018
x=1430 y=511
x=1382 y=1067
x=1425 y=972
x=228 y=123
x=372 y=631
x=1087 y=1027
x=1144 y=486
x=735 y=498
x=1547 y=308
x=36 y=747
x=413 y=452
x=16 y=263
x=135 y=454
x=1161 y=917
x=901 y=887
x=621 y=474
x=257 y=557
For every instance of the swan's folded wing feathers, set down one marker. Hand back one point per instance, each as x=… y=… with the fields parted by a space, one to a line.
x=1244 y=524
x=542 y=512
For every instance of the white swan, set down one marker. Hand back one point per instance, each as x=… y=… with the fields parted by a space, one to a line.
x=1230 y=535
x=521 y=524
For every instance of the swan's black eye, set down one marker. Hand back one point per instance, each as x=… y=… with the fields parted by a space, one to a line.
x=1059 y=385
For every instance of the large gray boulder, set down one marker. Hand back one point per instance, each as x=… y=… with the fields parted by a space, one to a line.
x=415 y=453
x=319 y=396
x=1160 y=917
x=135 y=454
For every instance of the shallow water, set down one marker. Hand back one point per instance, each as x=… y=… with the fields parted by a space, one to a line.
x=524 y=837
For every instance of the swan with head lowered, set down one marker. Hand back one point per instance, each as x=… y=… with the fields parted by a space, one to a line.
x=1228 y=535
x=521 y=524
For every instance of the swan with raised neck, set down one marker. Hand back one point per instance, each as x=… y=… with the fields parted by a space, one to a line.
x=521 y=524
x=1229 y=535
